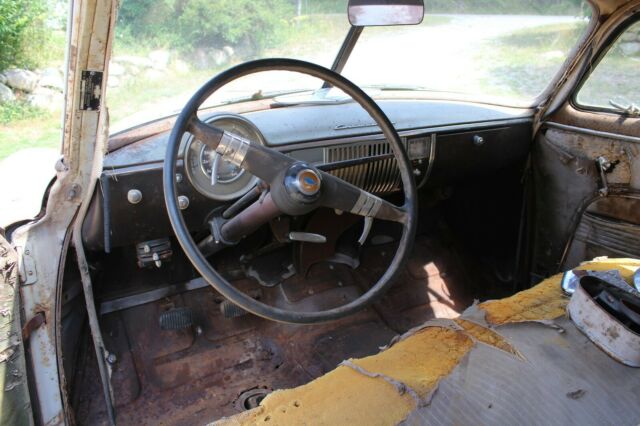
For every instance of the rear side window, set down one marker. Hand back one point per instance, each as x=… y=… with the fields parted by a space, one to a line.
x=614 y=85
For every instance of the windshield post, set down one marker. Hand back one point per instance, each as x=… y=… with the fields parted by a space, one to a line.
x=345 y=51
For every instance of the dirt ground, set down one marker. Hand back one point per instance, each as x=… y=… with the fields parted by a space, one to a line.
x=24 y=176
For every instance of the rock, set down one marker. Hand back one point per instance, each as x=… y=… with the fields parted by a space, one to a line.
x=181 y=66
x=159 y=59
x=153 y=75
x=132 y=70
x=209 y=58
x=228 y=50
x=115 y=69
x=24 y=80
x=48 y=99
x=136 y=61
x=3 y=78
x=113 y=82
x=553 y=54
x=6 y=95
x=52 y=79
x=630 y=49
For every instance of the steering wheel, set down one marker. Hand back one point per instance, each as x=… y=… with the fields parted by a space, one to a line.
x=295 y=188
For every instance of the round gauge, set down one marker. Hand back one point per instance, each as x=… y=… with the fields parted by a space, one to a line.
x=231 y=181
x=225 y=171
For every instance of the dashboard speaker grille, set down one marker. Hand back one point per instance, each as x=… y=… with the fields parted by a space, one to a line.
x=380 y=175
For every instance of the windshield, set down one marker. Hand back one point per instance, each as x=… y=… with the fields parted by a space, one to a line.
x=505 y=52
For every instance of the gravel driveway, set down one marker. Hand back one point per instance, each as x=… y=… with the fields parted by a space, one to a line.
x=24 y=176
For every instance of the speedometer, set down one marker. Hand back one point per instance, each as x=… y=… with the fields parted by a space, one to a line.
x=231 y=181
x=225 y=171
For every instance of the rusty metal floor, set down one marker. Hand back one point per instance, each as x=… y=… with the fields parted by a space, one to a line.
x=182 y=377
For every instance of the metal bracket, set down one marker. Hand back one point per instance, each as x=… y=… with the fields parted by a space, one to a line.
x=33 y=324
x=90 y=90
x=26 y=266
x=604 y=166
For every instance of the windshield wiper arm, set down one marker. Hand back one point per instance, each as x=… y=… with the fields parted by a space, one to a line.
x=345 y=51
x=631 y=110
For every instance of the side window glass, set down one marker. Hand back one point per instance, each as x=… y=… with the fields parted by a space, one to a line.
x=615 y=82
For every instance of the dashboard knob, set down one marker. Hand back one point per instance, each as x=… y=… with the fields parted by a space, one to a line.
x=134 y=196
x=478 y=140
x=183 y=202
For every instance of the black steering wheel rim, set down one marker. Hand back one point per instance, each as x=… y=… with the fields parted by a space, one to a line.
x=190 y=247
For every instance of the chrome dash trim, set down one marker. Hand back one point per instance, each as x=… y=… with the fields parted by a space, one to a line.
x=432 y=159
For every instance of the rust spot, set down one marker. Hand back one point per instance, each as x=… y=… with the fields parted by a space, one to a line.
x=612 y=332
x=576 y=394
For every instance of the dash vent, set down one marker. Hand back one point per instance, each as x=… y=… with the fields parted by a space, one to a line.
x=377 y=176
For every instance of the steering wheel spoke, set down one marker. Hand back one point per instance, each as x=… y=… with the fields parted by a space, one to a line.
x=344 y=196
x=265 y=163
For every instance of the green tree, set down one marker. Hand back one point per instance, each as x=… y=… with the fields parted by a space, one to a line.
x=22 y=31
x=188 y=24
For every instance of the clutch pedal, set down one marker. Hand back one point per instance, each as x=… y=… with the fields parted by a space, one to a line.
x=176 y=319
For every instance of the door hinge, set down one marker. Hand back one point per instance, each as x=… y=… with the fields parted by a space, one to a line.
x=91 y=90
x=26 y=266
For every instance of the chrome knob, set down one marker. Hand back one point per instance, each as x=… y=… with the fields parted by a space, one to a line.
x=134 y=196
x=183 y=202
x=478 y=140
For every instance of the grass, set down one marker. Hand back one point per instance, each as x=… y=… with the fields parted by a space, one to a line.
x=513 y=73
x=23 y=134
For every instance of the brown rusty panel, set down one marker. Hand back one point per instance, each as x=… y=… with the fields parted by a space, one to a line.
x=325 y=222
x=204 y=359
x=143 y=322
x=329 y=349
x=199 y=379
x=124 y=376
x=626 y=209
x=613 y=123
x=590 y=147
x=320 y=278
x=155 y=128
x=431 y=286
x=205 y=304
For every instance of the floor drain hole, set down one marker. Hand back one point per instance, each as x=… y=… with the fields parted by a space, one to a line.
x=251 y=398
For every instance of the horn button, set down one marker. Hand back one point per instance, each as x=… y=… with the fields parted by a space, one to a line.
x=303 y=183
x=300 y=189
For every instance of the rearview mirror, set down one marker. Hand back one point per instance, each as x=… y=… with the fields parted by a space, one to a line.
x=363 y=13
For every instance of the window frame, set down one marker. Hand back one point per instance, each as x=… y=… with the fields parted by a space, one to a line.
x=611 y=39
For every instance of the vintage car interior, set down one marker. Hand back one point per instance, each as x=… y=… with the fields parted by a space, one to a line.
x=247 y=247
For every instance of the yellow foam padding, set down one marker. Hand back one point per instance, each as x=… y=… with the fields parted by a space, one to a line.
x=340 y=397
x=420 y=360
x=350 y=396
x=347 y=396
x=487 y=336
x=546 y=301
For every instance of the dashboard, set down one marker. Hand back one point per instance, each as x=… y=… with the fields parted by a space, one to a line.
x=446 y=141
